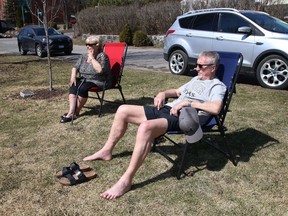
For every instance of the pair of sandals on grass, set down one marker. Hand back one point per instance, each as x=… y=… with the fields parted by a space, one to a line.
x=75 y=174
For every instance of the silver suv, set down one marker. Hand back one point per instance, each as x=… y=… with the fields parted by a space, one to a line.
x=261 y=38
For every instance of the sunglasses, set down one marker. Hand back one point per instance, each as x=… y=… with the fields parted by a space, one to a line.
x=90 y=44
x=203 y=65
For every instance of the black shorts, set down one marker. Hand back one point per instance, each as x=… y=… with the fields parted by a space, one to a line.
x=83 y=91
x=152 y=113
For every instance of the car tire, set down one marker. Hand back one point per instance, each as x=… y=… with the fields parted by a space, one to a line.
x=272 y=72
x=68 y=52
x=39 y=51
x=178 y=62
x=22 y=52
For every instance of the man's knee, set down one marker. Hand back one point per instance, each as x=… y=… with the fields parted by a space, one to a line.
x=122 y=110
x=145 y=127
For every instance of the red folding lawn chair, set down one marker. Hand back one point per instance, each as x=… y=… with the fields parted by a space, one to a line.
x=116 y=52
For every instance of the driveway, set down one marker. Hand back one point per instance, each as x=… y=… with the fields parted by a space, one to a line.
x=138 y=58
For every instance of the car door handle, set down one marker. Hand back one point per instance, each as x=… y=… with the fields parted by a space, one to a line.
x=189 y=35
x=220 y=38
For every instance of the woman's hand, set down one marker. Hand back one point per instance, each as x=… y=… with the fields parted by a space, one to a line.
x=73 y=77
x=90 y=56
x=90 y=52
x=72 y=81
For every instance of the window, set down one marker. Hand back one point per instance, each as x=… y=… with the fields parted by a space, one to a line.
x=186 y=22
x=268 y=22
x=204 y=22
x=230 y=23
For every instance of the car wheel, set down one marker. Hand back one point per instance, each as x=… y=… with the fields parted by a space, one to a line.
x=272 y=72
x=68 y=52
x=39 y=51
x=178 y=62
x=22 y=52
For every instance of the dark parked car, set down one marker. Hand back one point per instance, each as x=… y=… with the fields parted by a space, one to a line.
x=4 y=26
x=33 y=39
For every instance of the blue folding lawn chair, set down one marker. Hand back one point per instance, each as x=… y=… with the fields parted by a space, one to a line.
x=227 y=72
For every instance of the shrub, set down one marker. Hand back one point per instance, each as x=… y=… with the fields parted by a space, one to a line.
x=153 y=19
x=52 y=24
x=126 y=35
x=106 y=20
x=141 y=39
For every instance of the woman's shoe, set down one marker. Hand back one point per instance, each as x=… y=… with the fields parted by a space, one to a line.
x=65 y=120
x=65 y=114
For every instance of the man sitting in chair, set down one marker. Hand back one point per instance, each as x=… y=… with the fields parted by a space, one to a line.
x=203 y=92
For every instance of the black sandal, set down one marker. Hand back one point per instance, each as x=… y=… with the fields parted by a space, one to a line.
x=72 y=169
x=78 y=178
x=65 y=120
x=65 y=114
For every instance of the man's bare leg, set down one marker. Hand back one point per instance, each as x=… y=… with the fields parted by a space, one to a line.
x=124 y=115
x=146 y=133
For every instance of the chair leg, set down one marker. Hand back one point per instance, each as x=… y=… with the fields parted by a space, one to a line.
x=101 y=100
x=228 y=153
x=180 y=169
x=173 y=161
x=120 y=89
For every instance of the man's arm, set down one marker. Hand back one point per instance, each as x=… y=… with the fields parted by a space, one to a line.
x=159 y=100
x=212 y=107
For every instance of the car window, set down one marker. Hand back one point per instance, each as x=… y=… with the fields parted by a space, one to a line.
x=230 y=23
x=23 y=32
x=186 y=22
x=52 y=31
x=204 y=22
x=268 y=22
x=29 y=31
x=41 y=31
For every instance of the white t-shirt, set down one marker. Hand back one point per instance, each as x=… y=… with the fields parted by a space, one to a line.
x=201 y=90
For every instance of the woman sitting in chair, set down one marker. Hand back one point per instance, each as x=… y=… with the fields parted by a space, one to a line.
x=94 y=70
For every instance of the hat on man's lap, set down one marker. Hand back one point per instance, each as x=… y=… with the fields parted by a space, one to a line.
x=189 y=124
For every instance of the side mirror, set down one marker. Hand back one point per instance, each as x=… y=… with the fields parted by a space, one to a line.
x=245 y=30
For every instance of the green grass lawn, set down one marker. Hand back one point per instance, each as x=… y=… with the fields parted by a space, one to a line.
x=34 y=145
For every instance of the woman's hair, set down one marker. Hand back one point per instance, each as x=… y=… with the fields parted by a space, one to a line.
x=95 y=39
x=212 y=56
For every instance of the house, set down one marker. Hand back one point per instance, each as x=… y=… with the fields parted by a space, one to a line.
x=2 y=6
x=30 y=12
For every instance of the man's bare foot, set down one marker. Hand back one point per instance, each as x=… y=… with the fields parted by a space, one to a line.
x=117 y=190
x=100 y=155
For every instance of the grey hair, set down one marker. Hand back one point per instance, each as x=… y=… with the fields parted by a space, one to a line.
x=95 y=39
x=212 y=56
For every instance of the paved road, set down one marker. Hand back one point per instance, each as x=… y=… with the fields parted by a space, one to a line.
x=144 y=59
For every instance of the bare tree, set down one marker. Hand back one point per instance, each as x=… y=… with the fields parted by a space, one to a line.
x=262 y=5
x=49 y=12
